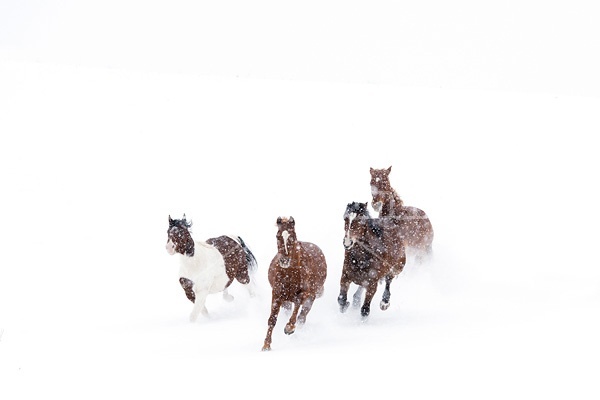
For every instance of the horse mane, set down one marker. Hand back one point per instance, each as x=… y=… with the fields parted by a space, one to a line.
x=397 y=199
x=362 y=210
x=180 y=223
x=375 y=226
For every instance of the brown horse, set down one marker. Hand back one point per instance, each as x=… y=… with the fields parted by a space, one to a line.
x=373 y=252
x=415 y=227
x=297 y=276
x=210 y=266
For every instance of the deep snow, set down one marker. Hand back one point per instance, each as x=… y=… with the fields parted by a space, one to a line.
x=94 y=158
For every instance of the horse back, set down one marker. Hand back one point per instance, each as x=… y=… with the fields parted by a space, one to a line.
x=236 y=263
x=415 y=227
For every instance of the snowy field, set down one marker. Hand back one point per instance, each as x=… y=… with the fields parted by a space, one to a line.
x=98 y=148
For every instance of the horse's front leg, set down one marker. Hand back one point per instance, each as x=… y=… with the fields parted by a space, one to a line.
x=290 y=327
x=365 y=310
x=385 y=299
x=200 y=303
x=343 y=296
x=275 y=306
x=188 y=288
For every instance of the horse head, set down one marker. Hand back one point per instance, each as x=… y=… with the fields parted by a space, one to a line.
x=380 y=186
x=287 y=242
x=356 y=223
x=179 y=239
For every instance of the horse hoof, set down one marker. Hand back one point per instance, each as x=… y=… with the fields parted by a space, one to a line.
x=266 y=348
x=384 y=306
x=344 y=307
x=289 y=329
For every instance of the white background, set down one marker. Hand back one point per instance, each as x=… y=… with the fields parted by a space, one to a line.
x=114 y=115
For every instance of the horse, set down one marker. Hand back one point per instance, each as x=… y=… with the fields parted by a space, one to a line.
x=297 y=276
x=374 y=252
x=209 y=267
x=416 y=229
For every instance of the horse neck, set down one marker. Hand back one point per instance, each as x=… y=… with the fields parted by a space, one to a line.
x=188 y=248
x=393 y=206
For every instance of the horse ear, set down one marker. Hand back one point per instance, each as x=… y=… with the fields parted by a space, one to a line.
x=389 y=169
x=292 y=220
x=371 y=170
x=278 y=220
x=184 y=217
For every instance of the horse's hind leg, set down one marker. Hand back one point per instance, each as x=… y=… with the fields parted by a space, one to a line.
x=306 y=306
x=385 y=300
x=357 y=296
x=226 y=295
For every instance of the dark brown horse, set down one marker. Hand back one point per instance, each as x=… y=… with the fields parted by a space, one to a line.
x=373 y=252
x=210 y=266
x=297 y=276
x=415 y=227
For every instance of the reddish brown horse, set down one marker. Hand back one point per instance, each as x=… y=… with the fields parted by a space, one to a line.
x=415 y=227
x=297 y=274
x=373 y=252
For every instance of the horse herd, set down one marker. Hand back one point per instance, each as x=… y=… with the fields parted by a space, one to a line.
x=375 y=251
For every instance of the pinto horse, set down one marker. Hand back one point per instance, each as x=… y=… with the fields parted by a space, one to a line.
x=208 y=267
x=297 y=276
x=415 y=227
x=374 y=252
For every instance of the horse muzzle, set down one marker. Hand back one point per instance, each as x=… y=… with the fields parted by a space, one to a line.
x=348 y=243
x=284 y=262
x=170 y=247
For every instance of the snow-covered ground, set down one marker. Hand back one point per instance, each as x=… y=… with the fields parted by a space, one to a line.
x=96 y=155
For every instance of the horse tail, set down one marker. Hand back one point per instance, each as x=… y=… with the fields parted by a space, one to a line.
x=250 y=259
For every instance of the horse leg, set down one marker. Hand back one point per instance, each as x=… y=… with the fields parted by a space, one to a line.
x=343 y=296
x=251 y=286
x=365 y=310
x=290 y=327
x=187 y=286
x=200 y=303
x=226 y=295
x=275 y=305
x=306 y=306
x=357 y=296
x=385 y=300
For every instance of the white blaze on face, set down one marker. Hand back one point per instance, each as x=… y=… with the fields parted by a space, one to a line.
x=285 y=235
x=347 y=240
x=170 y=247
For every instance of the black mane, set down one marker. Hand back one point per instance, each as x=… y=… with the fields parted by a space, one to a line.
x=362 y=211
x=180 y=223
